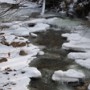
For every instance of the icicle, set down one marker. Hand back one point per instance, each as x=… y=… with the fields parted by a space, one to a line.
x=43 y=7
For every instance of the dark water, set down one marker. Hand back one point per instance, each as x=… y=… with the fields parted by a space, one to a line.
x=54 y=59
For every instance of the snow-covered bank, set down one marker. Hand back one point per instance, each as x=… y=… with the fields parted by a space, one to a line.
x=15 y=73
x=18 y=52
x=78 y=40
x=24 y=28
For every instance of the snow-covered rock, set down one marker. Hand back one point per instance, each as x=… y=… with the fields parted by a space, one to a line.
x=70 y=75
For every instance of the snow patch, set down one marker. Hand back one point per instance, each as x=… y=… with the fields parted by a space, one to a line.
x=70 y=75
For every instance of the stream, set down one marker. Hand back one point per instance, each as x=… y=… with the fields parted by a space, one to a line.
x=50 y=42
x=54 y=59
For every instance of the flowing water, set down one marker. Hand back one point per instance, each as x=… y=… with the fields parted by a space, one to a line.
x=54 y=59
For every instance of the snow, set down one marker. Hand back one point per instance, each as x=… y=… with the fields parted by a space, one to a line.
x=89 y=87
x=70 y=75
x=6 y=49
x=76 y=46
x=19 y=64
x=21 y=80
x=23 y=31
x=39 y=20
x=20 y=72
x=79 y=55
x=34 y=35
x=85 y=63
x=41 y=53
x=8 y=1
x=13 y=38
x=78 y=41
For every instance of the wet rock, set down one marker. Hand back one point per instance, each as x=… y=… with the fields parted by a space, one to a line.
x=8 y=69
x=22 y=72
x=22 y=53
x=14 y=74
x=4 y=27
x=31 y=24
x=2 y=33
x=5 y=43
x=6 y=73
x=84 y=87
x=3 y=60
x=1 y=89
x=35 y=14
x=18 y=44
x=13 y=83
x=5 y=84
x=77 y=83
